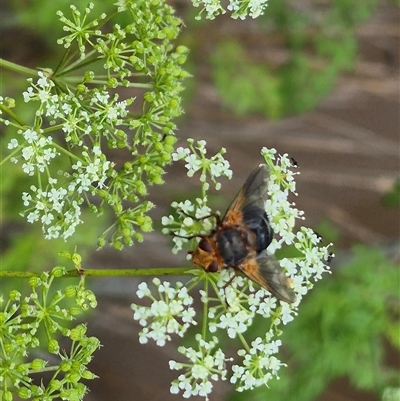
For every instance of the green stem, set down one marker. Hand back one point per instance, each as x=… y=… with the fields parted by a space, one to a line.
x=171 y=271
x=65 y=151
x=18 y=68
x=74 y=80
x=46 y=369
x=244 y=342
x=205 y=313
x=8 y=111
x=9 y=156
x=79 y=64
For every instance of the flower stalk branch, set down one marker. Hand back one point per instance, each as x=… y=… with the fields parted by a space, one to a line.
x=17 y=68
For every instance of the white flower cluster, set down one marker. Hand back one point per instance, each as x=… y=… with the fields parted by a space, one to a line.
x=195 y=158
x=195 y=217
x=307 y=243
x=245 y=302
x=259 y=363
x=239 y=8
x=237 y=318
x=40 y=91
x=232 y=316
x=231 y=304
x=211 y=7
x=170 y=313
x=191 y=213
x=90 y=172
x=205 y=364
x=37 y=152
x=57 y=205
x=59 y=216
x=77 y=108
x=282 y=213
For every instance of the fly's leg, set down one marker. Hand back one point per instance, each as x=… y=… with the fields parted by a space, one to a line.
x=215 y=215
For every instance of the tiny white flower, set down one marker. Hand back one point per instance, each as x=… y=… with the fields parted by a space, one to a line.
x=143 y=290
x=12 y=144
x=33 y=216
x=27 y=152
x=192 y=164
x=286 y=313
x=28 y=94
x=28 y=168
x=26 y=198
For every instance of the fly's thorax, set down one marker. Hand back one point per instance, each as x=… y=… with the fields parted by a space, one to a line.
x=236 y=244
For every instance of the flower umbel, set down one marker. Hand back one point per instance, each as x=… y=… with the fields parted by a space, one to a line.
x=259 y=363
x=50 y=312
x=79 y=120
x=171 y=313
x=231 y=303
x=205 y=364
x=196 y=160
x=239 y=8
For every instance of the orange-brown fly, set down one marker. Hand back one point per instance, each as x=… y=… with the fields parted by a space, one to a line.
x=241 y=238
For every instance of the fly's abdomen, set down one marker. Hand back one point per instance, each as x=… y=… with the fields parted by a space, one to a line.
x=264 y=234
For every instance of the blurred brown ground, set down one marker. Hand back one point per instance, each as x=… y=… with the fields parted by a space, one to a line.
x=348 y=154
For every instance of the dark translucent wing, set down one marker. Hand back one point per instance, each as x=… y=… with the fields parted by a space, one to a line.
x=248 y=206
x=247 y=209
x=267 y=272
x=253 y=192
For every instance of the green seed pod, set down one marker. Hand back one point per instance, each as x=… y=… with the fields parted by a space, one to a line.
x=15 y=295
x=70 y=291
x=65 y=366
x=38 y=364
x=78 y=332
x=34 y=282
x=24 y=393
x=88 y=375
x=53 y=346
x=58 y=271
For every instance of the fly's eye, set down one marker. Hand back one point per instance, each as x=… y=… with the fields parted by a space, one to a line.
x=213 y=266
x=205 y=245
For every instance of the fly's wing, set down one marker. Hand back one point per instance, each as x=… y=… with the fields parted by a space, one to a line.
x=267 y=272
x=248 y=206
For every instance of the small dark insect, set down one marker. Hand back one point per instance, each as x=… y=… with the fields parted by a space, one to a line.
x=241 y=238
x=294 y=162
x=319 y=236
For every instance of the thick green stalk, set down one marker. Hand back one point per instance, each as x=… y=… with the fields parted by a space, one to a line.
x=18 y=68
x=162 y=271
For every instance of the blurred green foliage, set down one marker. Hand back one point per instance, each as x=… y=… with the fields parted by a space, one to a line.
x=344 y=329
x=392 y=197
x=243 y=85
x=326 y=229
x=320 y=43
